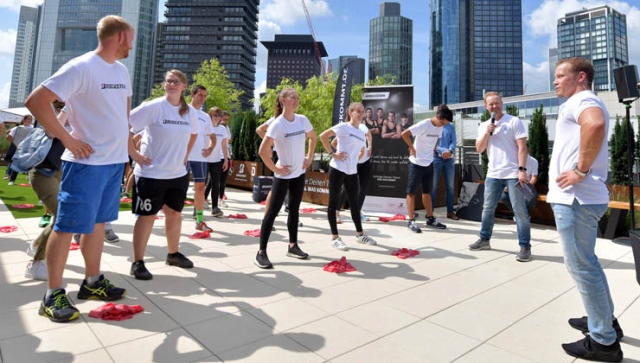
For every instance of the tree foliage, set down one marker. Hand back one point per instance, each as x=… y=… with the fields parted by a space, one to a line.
x=244 y=140
x=619 y=152
x=539 y=143
x=512 y=110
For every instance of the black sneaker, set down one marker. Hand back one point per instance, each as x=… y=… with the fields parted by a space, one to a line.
x=582 y=324
x=101 y=290
x=139 y=271
x=262 y=260
x=296 y=252
x=58 y=308
x=216 y=212
x=589 y=349
x=434 y=222
x=178 y=259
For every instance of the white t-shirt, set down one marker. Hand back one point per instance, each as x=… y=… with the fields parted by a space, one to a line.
x=426 y=138
x=96 y=93
x=165 y=139
x=350 y=140
x=12 y=132
x=268 y=123
x=532 y=167
x=566 y=152
x=216 y=155
x=502 y=147
x=228 y=131
x=205 y=129
x=290 y=138
x=365 y=157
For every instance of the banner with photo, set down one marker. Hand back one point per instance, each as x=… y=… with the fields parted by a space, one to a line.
x=388 y=112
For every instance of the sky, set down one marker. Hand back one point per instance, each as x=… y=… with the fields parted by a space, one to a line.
x=343 y=27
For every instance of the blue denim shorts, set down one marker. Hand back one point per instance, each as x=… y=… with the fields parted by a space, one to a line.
x=89 y=194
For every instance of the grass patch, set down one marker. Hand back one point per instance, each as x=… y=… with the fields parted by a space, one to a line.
x=15 y=194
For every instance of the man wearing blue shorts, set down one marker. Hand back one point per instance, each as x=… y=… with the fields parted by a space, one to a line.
x=97 y=90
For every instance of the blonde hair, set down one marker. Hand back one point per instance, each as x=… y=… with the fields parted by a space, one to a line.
x=111 y=25
x=350 y=108
x=214 y=110
x=491 y=93
x=184 y=108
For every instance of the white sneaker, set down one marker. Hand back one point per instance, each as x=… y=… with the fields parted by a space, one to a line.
x=31 y=250
x=338 y=244
x=366 y=240
x=36 y=270
x=222 y=203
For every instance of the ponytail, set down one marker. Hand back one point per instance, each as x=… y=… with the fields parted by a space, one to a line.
x=277 y=108
x=184 y=108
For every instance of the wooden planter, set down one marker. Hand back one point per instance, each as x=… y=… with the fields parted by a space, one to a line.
x=242 y=173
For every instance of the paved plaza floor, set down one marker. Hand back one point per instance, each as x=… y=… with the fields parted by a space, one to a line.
x=447 y=304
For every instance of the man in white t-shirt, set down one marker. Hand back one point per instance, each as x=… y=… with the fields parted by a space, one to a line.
x=505 y=139
x=427 y=133
x=97 y=89
x=579 y=197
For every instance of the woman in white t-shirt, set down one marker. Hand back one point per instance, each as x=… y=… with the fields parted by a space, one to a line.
x=170 y=128
x=288 y=133
x=343 y=170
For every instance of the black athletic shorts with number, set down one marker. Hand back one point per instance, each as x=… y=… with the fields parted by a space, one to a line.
x=149 y=195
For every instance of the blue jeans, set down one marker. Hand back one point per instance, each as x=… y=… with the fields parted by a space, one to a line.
x=449 y=168
x=492 y=192
x=578 y=227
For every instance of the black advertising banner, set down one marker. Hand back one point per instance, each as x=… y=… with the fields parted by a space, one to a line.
x=342 y=96
x=388 y=112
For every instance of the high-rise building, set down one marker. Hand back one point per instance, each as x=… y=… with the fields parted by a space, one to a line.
x=67 y=30
x=336 y=64
x=599 y=35
x=294 y=57
x=475 y=48
x=391 y=44
x=553 y=60
x=23 y=58
x=198 y=31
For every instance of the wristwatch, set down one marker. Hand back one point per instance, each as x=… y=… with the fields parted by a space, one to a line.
x=580 y=173
x=522 y=168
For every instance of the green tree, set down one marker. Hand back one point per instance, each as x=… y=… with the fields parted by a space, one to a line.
x=619 y=152
x=512 y=110
x=156 y=91
x=539 y=143
x=484 y=157
x=244 y=141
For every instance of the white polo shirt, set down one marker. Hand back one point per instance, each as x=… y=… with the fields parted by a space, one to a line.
x=426 y=137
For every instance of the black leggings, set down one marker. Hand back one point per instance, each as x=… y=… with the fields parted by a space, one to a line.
x=364 y=173
x=223 y=179
x=213 y=183
x=336 y=180
x=294 y=187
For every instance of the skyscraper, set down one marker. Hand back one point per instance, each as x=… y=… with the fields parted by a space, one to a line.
x=599 y=35
x=23 y=58
x=336 y=64
x=475 y=47
x=553 y=60
x=67 y=30
x=293 y=57
x=391 y=44
x=198 y=31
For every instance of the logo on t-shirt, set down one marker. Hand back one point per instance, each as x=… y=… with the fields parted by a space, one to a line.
x=296 y=133
x=176 y=122
x=113 y=86
x=356 y=136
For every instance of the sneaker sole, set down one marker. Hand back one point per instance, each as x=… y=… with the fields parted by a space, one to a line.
x=262 y=267
x=178 y=264
x=143 y=278
x=418 y=231
x=218 y=215
x=297 y=256
x=341 y=248
x=484 y=248
x=112 y=241
x=519 y=259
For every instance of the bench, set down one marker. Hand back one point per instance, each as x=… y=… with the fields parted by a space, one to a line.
x=615 y=222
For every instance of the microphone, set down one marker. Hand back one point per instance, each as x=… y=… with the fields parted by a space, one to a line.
x=493 y=121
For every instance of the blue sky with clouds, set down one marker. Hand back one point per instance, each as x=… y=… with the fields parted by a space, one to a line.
x=343 y=27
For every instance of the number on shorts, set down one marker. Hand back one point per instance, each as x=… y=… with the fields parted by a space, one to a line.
x=144 y=205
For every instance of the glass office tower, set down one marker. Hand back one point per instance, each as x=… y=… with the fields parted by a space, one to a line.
x=599 y=35
x=68 y=30
x=476 y=47
x=391 y=44
x=23 y=58
x=198 y=31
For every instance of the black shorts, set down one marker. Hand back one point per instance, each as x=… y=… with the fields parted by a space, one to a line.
x=149 y=195
x=422 y=176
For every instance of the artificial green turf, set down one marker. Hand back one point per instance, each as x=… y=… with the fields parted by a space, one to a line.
x=17 y=194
